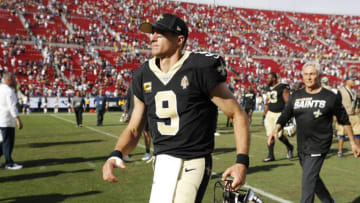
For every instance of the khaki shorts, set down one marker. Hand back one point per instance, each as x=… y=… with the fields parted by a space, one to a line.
x=270 y=123
x=355 y=125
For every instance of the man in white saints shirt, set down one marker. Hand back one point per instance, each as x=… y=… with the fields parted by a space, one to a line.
x=8 y=118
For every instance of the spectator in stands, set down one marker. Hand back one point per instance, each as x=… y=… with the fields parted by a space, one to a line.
x=324 y=83
x=102 y=106
x=8 y=117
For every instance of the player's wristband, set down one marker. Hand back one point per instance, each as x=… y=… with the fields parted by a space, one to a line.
x=117 y=156
x=116 y=153
x=243 y=159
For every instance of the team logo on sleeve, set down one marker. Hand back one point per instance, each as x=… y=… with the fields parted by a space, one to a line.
x=221 y=69
x=184 y=82
x=147 y=87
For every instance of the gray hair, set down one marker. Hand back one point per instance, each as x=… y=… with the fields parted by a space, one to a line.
x=6 y=76
x=314 y=64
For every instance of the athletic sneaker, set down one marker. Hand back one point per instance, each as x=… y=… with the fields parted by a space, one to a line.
x=127 y=158
x=217 y=134
x=340 y=154
x=290 y=153
x=146 y=157
x=268 y=159
x=13 y=166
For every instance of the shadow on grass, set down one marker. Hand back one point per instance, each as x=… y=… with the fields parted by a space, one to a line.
x=254 y=169
x=333 y=152
x=267 y=167
x=39 y=175
x=50 y=144
x=54 y=161
x=55 y=197
x=218 y=151
x=357 y=200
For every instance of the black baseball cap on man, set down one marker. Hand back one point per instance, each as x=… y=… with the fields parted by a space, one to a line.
x=167 y=22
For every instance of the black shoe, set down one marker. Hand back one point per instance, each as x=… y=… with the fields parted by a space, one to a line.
x=268 y=159
x=290 y=153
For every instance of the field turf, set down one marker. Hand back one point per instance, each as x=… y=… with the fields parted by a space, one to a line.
x=63 y=163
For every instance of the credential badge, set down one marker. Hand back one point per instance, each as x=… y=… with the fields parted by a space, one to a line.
x=184 y=82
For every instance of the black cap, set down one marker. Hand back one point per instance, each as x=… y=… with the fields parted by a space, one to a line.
x=167 y=22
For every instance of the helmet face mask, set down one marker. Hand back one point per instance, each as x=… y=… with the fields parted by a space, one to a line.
x=224 y=194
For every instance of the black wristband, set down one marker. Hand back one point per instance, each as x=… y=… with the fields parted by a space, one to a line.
x=116 y=153
x=243 y=159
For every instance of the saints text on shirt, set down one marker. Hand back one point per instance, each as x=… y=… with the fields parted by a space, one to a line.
x=308 y=102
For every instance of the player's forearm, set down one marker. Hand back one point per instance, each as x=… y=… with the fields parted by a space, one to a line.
x=241 y=132
x=127 y=141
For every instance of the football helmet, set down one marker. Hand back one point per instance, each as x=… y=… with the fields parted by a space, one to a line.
x=224 y=194
x=290 y=128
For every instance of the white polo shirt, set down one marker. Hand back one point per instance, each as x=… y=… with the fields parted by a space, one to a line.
x=8 y=109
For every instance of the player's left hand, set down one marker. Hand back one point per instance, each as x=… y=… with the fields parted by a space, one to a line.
x=355 y=149
x=238 y=172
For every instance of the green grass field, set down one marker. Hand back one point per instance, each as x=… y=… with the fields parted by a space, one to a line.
x=63 y=163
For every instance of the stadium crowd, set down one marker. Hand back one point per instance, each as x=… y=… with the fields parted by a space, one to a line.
x=74 y=45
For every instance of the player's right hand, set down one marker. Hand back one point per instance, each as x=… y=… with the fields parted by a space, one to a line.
x=108 y=168
x=356 y=150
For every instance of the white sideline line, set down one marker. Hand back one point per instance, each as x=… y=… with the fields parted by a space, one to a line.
x=94 y=129
x=259 y=191
x=266 y=194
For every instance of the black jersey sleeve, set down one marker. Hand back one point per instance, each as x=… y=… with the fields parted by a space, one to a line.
x=287 y=112
x=340 y=111
x=212 y=71
x=137 y=81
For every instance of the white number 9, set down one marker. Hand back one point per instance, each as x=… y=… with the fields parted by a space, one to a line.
x=168 y=111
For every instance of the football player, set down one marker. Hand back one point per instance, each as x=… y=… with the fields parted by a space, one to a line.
x=313 y=108
x=249 y=101
x=277 y=96
x=179 y=92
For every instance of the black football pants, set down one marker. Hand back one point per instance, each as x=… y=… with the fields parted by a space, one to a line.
x=311 y=181
x=7 y=145
x=100 y=116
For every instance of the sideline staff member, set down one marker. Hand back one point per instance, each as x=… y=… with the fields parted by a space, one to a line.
x=179 y=92
x=8 y=117
x=313 y=108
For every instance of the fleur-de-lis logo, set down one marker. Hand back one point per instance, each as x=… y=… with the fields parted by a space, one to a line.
x=159 y=17
x=317 y=113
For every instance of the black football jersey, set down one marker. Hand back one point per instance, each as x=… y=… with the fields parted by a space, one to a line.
x=182 y=118
x=314 y=117
x=249 y=100
x=274 y=94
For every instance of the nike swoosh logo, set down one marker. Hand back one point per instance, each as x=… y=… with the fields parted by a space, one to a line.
x=191 y=169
